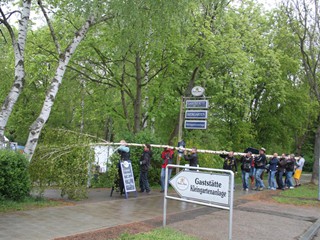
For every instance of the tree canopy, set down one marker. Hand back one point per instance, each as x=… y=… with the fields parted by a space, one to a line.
x=135 y=60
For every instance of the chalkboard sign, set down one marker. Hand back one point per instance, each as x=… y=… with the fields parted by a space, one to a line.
x=128 y=177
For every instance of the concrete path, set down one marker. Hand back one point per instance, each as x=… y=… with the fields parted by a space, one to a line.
x=251 y=220
x=54 y=222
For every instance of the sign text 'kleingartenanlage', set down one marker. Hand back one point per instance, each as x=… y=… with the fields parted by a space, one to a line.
x=207 y=187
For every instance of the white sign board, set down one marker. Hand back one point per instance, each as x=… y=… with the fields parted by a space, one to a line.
x=102 y=156
x=207 y=187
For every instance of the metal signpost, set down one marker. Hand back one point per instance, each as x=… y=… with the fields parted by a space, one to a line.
x=196 y=118
x=206 y=186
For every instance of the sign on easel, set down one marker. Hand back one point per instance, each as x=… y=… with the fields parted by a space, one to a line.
x=128 y=177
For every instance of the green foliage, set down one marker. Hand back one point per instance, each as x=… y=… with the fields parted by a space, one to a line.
x=100 y=180
x=14 y=177
x=308 y=164
x=65 y=163
x=247 y=61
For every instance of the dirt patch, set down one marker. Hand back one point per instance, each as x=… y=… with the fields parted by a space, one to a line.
x=111 y=233
x=265 y=195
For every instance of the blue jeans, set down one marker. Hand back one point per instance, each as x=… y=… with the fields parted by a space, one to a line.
x=163 y=177
x=271 y=179
x=259 y=182
x=280 y=179
x=253 y=172
x=144 y=183
x=245 y=179
x=289 y=181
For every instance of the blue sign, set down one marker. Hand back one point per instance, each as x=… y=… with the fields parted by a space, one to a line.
x=195 y=124
x=196 y=114
x=197 y=104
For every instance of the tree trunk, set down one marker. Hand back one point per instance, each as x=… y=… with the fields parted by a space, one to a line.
x=315 y=172
x=123 y=98
x=36 y=127
x=108 y=129
x=18 y=47
x=187 y=93
x=137 y=102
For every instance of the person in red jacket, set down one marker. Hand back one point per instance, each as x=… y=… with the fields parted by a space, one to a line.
x=167 y=155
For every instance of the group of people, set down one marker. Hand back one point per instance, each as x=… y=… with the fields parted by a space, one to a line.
x=254 y=168
x=167 y=156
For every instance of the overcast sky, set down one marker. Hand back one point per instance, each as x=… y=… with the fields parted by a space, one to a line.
x=269 y=3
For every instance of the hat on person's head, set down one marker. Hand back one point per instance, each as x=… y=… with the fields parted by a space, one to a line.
x=263 y=149
x=123 y=142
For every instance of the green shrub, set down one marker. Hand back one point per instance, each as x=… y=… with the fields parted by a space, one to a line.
x=63 y=159
x=308 y=164
x=14 y=177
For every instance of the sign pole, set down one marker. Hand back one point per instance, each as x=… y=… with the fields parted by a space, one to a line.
x=165 y=199
x=180 y=129
x=231 y=203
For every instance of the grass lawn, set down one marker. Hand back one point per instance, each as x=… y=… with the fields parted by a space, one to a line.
x=304 y=195
x=158 y=234
x=27 y=204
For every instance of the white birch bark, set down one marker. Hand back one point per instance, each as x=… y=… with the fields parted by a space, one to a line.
x=18 y=47
x=36 y=127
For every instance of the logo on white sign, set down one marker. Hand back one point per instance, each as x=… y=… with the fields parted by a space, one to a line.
x=182 y=183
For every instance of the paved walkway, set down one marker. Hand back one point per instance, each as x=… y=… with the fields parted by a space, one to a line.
x=251 y=219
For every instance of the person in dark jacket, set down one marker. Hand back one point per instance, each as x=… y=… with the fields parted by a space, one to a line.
x=230 y=162
x=145 y=161
x=281 y=171
x=289 y=171
x=260 y=164
x=246 y=163
x=192 y=157
x=272 y=171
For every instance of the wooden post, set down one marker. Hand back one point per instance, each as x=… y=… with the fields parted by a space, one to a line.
x=181 y=117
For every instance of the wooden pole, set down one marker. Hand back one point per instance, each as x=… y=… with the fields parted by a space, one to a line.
x=180 y=130
x=174 y=148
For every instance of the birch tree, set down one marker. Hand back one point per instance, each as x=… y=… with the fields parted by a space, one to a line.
x=64 y=57
x=18 y=42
